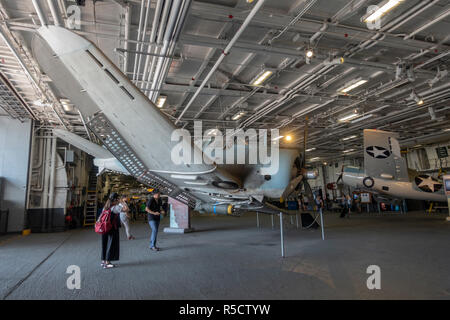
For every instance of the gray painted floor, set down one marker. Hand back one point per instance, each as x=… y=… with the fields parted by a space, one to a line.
x=229 y=258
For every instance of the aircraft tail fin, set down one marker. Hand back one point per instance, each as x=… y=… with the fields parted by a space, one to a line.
x=382 y=157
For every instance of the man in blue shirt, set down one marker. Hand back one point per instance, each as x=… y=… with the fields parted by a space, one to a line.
x=154 y=210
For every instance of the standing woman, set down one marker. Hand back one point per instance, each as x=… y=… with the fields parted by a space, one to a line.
x=110 y=240
x=124 y=211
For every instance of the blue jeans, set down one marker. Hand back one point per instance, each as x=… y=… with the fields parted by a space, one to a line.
x=154 y=225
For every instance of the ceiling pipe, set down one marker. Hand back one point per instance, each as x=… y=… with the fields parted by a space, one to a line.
x=436 y=19
x=141 y=19
x=147 y=14
x=168 y=60
x=57 y=21
x=225 y=52
x=40 y=13
x=168 y=36
x=27 y=72
x=159 y=41
x=151 y=47
x=127 y=36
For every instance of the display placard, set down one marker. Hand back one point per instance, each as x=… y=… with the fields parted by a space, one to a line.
x=442 y=152
x=365 y=197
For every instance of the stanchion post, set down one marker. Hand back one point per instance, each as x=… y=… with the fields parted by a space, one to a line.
x=282 y=234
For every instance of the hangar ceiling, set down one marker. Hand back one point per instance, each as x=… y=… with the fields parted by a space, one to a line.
x=398 y=72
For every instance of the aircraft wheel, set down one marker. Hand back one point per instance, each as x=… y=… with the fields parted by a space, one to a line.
x=368 y=182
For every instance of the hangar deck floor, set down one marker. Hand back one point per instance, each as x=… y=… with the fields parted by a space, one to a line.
x=229 y=258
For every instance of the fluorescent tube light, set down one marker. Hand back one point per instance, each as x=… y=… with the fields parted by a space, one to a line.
x=384 y=8
x=310 y=149
x=349 y=150
x=160 y=102
x=238 y=115
x=348 y=138
x=262 y=77
x=353 y=86
x=349 y=117
x=362 y=118
x=277 y=138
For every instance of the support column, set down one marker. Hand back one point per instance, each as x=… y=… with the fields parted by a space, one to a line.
x=273 y=225
x=180 y=217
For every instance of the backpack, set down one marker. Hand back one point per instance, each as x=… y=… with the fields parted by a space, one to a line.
x=103 y=224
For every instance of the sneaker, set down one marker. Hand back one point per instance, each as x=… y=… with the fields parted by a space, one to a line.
x=109 y=265
x=154 y=249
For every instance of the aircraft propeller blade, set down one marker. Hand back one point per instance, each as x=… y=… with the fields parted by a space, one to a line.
x=292 y=186
x=308 y=191
x=339 y=179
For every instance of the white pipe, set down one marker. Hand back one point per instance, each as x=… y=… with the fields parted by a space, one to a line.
x=51 y=197
x=225 y=52
x=46 y=172
x=30 y=165
x=127 y=36
x=438 y=18
x=151 y=46
x=147 y=14
x=141 y=18
x=55 y=14
x=166 y=43
x=168 y=59
x=40 y=13
x=159 y=40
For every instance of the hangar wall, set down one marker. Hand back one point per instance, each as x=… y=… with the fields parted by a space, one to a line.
x=14 y=159
x=423 y=159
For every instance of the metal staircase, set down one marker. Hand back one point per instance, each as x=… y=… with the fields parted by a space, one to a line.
x=90 y=206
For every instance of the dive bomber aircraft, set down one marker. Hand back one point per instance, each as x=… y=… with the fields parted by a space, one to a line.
x=137 y=135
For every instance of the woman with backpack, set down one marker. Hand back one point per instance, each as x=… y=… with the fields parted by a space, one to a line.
x=110 y=239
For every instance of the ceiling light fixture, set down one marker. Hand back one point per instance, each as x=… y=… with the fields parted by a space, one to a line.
x=349 y=150
x=277 y=138
x=262 y=77
x=383 y=8
x=353 y=86
x=212 y=132
x=314 y=159
x=416 y=98
x=310 y=149
x=348 y=138
x=161 y=100
x=349 y=117
x=362 y=118
x=238 y=115
x=309 y=53
x=288 y=138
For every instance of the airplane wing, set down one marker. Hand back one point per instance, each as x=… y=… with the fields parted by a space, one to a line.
x=131 y=127
x=87 y=146
x=102 y=157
